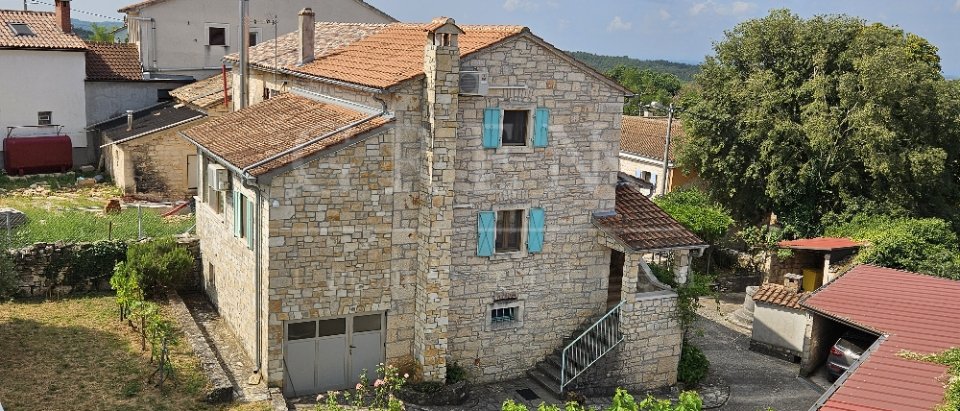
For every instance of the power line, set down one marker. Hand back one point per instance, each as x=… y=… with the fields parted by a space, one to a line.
x=79 y=11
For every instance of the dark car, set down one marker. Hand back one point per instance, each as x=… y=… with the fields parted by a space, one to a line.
x=846 y=351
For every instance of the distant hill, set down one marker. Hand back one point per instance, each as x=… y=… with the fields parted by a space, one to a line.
x=606 y=63
x=83 y=28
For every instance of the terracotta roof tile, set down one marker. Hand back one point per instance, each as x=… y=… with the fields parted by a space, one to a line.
x=779 y=294
x=641 y=224
x=205 y=93
x=917 y=313
x=46 y=32
x=644 y=136
x=820 y=244
x=113 y=62
x=327 y=38
x=263 y=130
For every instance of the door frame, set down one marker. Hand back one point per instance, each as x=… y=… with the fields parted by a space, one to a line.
x=348 y=364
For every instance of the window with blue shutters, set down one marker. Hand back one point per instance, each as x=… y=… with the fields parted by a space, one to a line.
x=535 y=224
x=237 y=214
x=486 y=232
x=491 y=128
x=248 y=224
x=541 y=127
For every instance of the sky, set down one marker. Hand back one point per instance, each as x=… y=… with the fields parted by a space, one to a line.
x=676 y=30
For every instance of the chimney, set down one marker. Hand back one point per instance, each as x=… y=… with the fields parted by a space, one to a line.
x=129 y=120
x=307 y=18
x=63 y=15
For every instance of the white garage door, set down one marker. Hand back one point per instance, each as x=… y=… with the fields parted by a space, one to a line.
x=330 y=354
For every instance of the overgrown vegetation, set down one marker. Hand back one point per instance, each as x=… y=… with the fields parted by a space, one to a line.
x=951 y=359
x=373 y=396
x=623 y=401
x=694 y=209
x=455 y=373
x=927 y=245
x=694 y=365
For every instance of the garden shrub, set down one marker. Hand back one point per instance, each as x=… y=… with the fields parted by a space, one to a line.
x=623 y=401
x=693 y=364
x=455 y=373
x=161 y=263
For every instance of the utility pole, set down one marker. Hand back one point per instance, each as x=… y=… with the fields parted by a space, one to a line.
x=244 y=53
x=666 y=149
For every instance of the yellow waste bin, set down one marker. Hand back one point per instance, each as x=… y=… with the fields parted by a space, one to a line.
x=812 y=279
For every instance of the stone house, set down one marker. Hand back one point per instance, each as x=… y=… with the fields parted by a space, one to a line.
x=642 y=141
x=813 y=261
x=431 y=193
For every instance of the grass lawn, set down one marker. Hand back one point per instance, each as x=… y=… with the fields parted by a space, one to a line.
x=73 y=354
x=61 y=217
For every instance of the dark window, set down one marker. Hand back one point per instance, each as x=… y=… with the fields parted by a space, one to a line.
x=217 y=36
x=333 y=327
x=45 y=118
x=299 y=331
x=254 y=38
x=515 y=127
x=164 y=95
x=366 y=323
x=509 y=227
x=502 y=315
x=21 y=29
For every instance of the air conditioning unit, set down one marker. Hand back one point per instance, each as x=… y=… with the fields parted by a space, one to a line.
x=474 y=83
x=219 y=177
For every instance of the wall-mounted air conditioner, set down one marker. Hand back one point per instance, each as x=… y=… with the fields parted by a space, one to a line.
x=474 y=83
x=219 y=177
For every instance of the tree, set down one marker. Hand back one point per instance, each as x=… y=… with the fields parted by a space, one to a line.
x=824 y=115
x=102 y=34
x=648 y=85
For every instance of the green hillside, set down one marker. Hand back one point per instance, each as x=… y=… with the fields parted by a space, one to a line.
x=606 y=63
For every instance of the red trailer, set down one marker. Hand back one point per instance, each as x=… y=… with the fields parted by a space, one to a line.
x=30 y=155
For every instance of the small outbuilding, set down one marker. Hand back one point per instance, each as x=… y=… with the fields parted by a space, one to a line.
x=779 y=323
x=814 y=259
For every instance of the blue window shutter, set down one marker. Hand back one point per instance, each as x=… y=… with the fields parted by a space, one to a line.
x=541 y=127
x=491 y=128
x=236 y=213
x=486 y=232
x=249 y=225
x=535 y=224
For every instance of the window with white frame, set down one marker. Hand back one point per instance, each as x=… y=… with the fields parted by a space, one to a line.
x=217 y=34
x=255 y=36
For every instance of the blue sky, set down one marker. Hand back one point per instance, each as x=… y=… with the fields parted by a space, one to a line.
x=678 y=30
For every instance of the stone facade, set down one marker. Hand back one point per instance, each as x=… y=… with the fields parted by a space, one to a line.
x=389 y=224
x=156 y=163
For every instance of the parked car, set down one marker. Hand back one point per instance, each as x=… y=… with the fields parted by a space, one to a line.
x=846 y=351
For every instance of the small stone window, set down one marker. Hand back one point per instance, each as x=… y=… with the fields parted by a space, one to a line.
x=44 y=118
x=509 y=230
x=503 y=315
x=515 y=127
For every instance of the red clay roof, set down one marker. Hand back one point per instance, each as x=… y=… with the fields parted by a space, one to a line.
x=256 y=133
x=47 y=34
x=644 y=136
x=778 y=294
x=641 y=224
x=113 y=62
x=918 y=313
x=820 y=244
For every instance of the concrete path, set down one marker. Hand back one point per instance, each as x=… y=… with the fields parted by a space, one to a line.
x=756 y=381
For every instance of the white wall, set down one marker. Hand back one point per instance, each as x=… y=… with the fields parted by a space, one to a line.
x=631 y=164
x=180 y=29
x=779 y=326
x=43 y=80
x=109 y=99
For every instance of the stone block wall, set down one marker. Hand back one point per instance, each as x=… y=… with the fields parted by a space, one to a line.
x=797 y=261
x=558 y=289
x=156 y=163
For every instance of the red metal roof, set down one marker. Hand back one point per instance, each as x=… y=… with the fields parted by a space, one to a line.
x=918 y=313
x=820 y=244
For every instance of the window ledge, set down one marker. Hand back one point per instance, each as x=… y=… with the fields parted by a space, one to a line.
x=512 y=255
x=515 y=149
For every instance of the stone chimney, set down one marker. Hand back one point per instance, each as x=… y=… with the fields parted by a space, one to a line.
x=62 y=8
x=307 y=19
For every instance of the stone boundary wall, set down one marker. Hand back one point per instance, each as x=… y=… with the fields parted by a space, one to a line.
x=31 y=263
x=220 y=389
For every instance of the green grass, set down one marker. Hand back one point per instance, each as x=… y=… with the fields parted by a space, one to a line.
x=61 y=219
x=73 y=354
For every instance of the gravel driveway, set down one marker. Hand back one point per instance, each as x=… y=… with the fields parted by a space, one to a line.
x=756 y=381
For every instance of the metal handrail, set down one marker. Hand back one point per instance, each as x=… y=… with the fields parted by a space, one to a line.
x=583 y=351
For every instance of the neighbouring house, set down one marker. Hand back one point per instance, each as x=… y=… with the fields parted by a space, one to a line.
x=190 y=38
x=815 y=259
x=642 y=140
x=432 y=193
x=909 y=312
x=779 y=323
x=144 y=154
x=43 y=115
x=210 y=95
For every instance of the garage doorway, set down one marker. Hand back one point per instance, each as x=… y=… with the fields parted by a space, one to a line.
x=330 y=354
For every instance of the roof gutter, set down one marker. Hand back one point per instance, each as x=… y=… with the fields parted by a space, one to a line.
x=169 y=126
x=339 y=83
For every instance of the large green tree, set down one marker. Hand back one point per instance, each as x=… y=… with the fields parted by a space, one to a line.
x=648 y=85
x=827 y=115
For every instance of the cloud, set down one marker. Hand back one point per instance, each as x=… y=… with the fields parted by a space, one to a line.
x=524 y=5
x=665 y=15
x=723 y=9
x=617 y=24
x=956 y=6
